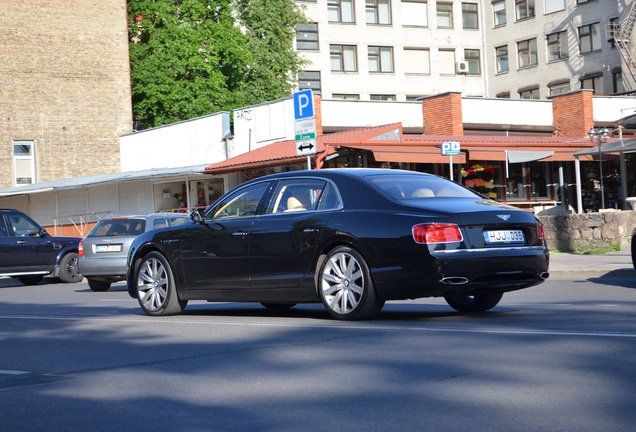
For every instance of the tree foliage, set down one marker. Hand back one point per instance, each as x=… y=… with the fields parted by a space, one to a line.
x=197 y=57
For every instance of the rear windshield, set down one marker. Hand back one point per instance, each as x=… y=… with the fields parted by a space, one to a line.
x=118 y=228
x=401 y=186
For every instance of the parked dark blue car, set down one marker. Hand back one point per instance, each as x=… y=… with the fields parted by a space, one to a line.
x=28 y=252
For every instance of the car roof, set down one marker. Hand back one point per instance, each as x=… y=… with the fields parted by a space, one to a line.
x=333 y=173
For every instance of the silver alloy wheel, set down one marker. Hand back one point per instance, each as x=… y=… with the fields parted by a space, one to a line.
x=342 y=283
x=152 y=285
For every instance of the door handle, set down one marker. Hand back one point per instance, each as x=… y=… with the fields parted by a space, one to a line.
x=240 y=234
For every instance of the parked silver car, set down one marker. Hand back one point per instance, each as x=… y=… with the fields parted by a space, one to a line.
x=102 y=254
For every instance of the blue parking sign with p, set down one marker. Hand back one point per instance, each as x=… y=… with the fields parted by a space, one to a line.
x=303 y=104
x=450 y=148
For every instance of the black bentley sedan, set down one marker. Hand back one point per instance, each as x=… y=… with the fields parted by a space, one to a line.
x=350 y=238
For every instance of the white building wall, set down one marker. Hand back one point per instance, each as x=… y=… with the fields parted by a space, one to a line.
x=546 y=72
x=507 y=112
x=186 y=143
x=398 y=36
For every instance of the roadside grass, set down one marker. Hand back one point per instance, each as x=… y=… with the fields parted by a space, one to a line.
x=616 y=247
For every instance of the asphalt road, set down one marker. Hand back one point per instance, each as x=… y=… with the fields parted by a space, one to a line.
x=557 y=357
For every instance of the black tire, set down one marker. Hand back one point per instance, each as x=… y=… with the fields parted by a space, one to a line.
x=634 y=251
x=345 y=286
x=473 y=303
x=98 y=285
x=278 y=306
x=156 y=289
x=69 y=268
x=31 y=280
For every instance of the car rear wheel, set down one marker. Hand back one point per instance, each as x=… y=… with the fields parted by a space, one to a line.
x=30 y=280
x=634 y=251
x=473 y=303
x=98 y=285
x=345 y=286
x=69 y=268
x=156 y=289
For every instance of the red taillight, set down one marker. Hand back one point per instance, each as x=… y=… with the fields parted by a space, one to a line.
x=436 y=233
x=540 y=231
x=80 y=249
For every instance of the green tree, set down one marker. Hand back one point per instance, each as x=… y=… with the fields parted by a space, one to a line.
x=191 y=57
x=270 y=26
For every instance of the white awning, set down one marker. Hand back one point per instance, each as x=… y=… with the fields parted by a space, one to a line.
x=518 y=156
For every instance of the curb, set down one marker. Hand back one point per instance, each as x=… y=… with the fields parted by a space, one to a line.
x=592 y=274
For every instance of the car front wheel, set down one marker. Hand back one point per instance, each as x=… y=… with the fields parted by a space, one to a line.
x=69 y=268
x=156 y=289
x=345 y=286
x=473 y=303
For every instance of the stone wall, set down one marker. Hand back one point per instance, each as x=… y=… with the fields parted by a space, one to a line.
x=578 y=232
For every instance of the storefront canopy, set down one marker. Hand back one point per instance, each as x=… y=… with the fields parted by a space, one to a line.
x=620 y=146
x=518 y=156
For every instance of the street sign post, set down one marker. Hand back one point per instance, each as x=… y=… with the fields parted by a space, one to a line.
x=304 y=124
x=450 y=148
x=303 y=104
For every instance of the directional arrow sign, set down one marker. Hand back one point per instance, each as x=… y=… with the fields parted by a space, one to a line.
x=306 y=147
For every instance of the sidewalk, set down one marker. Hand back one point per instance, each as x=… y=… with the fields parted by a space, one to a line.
x=581 y=266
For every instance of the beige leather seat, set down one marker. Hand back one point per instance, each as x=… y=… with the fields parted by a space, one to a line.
x=422 y=193
x=293 y=204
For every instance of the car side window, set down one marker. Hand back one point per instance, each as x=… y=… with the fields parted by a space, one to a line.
x=296 y=195
x=23 y=227
x=330 y=198
x=242 y=203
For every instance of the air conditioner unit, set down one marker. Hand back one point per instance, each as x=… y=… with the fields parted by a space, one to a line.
x=461 y=67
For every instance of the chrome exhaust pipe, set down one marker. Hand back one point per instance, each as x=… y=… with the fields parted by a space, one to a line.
x=544 y=275
x=454 y=280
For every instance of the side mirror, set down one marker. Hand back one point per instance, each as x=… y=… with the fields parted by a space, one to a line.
x=197 y=216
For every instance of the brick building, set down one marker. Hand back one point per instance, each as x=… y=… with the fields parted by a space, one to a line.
x=64 y=88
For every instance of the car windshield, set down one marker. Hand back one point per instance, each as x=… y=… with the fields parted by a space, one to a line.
x=118 y=228
x=403 y=186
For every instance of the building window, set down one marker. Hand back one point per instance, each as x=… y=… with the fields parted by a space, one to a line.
x=446 y=60
x=378 y=12
x=382 y=97
x=559 y=88
x=444 y=15
x=340 y=11
x=417 y=61
x=469 y=16
x=345 y=96
x=558 y=46
x=590 y=38
x=499 y=13
x=502 y=59
x=527 y=177
x=474 y=62
x=380 y=59
x=554 y=5
x=343 y=58
x=530 y=93
x=307 y=37
x=309 y=80
x=524 y=9
x=24 y=162
x=415 y=13
x=617 y=82
x=593 y=82
x=527 y=53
